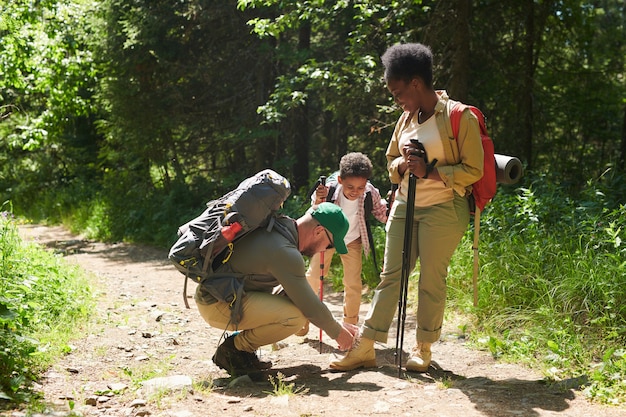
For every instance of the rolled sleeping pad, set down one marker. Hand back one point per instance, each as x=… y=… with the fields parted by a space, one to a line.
x=508 y=169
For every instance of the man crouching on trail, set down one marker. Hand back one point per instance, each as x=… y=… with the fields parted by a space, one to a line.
x=277 y=298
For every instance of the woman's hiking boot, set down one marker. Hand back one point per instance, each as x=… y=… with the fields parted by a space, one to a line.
x=420 y=358
x=362 y=355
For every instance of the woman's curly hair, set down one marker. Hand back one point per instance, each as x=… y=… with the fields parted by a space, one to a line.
x=406 y=61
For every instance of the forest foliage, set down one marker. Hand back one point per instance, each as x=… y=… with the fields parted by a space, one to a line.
x=116 y=114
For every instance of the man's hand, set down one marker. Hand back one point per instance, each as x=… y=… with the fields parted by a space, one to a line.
x=354 y=330
x=347 y=336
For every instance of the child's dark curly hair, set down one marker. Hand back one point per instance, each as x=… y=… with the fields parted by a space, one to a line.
x=355 y=164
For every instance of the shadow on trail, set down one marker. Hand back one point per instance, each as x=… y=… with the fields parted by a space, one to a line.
x=322 y=347
x=511 y=396
x=518 y=396
x=491 y=397
x=305 y=378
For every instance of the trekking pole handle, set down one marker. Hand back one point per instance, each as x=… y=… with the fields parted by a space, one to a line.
x=321 y=181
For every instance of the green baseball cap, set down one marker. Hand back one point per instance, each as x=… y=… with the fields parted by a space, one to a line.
x=332 y=218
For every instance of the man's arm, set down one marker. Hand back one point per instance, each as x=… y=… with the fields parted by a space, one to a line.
x=288 y=268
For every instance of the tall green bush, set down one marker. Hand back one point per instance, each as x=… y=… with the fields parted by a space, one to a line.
x=42 y=298
x=553 y=278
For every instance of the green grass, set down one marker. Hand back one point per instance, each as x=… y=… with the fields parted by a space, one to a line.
x=43 y=301
x=281 y=387
x=552 y=283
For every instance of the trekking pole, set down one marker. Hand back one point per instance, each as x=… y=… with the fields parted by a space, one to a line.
x=322 y=181
x=406 y=270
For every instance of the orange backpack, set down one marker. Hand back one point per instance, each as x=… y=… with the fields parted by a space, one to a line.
x=484 y=189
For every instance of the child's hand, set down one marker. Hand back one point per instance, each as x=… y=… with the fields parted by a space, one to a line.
x=320 y=194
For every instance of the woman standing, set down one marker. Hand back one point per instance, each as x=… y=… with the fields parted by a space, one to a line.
x=445 y=169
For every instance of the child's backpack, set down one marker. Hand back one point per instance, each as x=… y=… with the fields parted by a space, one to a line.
x=208 y=240
x=484 y=189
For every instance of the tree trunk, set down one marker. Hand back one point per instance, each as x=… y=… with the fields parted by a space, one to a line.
x=267 y=148
x=622 y=156
x=458 y=86
x=300 y=124
x=527 y=84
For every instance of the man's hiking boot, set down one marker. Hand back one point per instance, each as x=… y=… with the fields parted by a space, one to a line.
x=238 y=362
x=362 y=355
x=256 y=362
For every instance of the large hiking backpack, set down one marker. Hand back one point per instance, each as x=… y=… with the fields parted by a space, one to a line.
x=207 y=241
x=484 y=189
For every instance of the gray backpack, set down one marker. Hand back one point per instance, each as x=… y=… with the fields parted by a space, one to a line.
x=207 y=241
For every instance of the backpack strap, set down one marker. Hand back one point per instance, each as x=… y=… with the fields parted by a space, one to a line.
x=309 y=194
x=368 y=204
x=450 y=147
x=455 y=121
x=368 y=207
x=331 y=193
x=284 y=230
x=455 y=118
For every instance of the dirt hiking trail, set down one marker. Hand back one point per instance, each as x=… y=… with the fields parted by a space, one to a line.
x=147 y=355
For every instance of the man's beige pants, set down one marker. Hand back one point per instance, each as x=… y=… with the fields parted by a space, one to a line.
x=266 y=319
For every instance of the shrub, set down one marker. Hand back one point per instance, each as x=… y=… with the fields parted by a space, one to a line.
x=42 y=299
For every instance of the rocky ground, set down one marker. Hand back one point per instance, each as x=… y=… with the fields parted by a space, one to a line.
x=147 y=355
